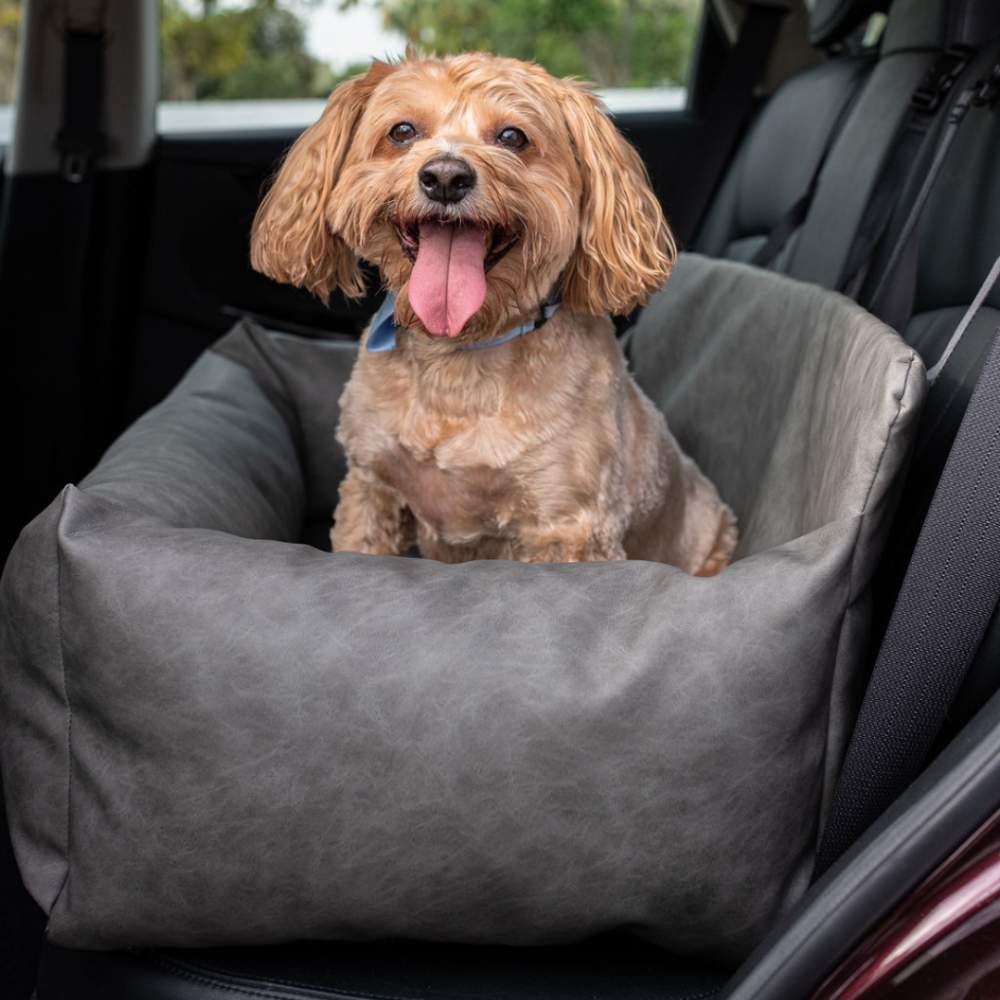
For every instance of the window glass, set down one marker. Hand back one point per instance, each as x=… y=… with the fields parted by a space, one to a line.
x=10 y=20
x=260 y=52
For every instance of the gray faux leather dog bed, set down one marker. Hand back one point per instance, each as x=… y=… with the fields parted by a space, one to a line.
x=215 y=734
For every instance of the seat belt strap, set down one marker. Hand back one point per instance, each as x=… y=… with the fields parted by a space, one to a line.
x=732 y=103
x=892 y=299
x=81 y=142
x=81 y=139
x=931 y=92
x=948 y=596
x=970 y=314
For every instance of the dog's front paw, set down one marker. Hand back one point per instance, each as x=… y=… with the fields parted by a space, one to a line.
x=567 y=546
x=725 y=545
x=365 y=547
x=370 y=518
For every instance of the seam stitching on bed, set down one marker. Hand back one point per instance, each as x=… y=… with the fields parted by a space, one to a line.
x=63 y=888
x=888 y=434
x=115 y=507
x=828 y=782
x=878 y=468
x=852 y=600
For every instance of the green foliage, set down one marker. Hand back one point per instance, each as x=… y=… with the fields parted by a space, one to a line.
x=257 y=48
x=10 y=21
x=615 y=43
x=258 y=51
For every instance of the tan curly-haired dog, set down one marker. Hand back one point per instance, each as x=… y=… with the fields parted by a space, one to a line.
x=484 y=425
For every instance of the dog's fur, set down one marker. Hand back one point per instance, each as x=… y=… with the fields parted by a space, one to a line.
x=542 y=448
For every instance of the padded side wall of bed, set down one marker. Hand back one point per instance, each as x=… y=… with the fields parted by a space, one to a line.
x=217 y=735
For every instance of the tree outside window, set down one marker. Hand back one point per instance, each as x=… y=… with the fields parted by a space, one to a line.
x=260 y=49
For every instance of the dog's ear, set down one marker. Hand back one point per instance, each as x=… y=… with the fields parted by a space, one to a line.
x=625 y=249
x=291 y=240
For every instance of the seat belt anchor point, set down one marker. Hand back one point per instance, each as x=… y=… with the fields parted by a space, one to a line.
x=78 y=153
x=940 y=78
x=988 y=90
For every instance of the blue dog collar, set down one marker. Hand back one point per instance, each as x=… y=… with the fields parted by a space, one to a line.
x=383 y=333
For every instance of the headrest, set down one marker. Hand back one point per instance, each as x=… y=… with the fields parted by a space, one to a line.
x=923 y=24
x=831 y=20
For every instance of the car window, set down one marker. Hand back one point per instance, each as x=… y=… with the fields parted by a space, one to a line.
x=238 y=64
x=10 y=20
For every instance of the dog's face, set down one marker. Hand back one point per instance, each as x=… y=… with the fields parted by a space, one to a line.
x=477 y=185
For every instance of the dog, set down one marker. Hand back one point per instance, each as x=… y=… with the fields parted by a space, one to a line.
x=490 y=414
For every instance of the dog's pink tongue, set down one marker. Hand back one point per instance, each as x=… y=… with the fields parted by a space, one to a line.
x=448 y=282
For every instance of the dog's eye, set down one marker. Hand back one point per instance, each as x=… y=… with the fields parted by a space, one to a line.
x=402 y=133
x=512 y=138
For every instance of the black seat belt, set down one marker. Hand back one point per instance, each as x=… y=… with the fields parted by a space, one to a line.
x=732 y=103
x=892 y=299
x=81 y=139
x=80 y=142
x=924 y=103
x=949 y=593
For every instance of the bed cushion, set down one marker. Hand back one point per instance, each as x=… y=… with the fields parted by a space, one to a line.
x=216 y=734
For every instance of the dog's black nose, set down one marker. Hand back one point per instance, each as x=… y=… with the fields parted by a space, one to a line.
x=447 y=179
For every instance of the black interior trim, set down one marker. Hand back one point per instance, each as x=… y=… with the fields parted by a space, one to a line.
x=944 y=807
x=606 y=969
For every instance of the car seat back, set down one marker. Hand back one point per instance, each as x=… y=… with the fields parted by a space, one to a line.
x=926 y=44
x=764 y=182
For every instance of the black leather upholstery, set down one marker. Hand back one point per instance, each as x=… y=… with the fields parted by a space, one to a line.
x=875 y=126
x=921 y=24
x=918 y=31
x=619 y=970
x=852 y=170
x=764 y=181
